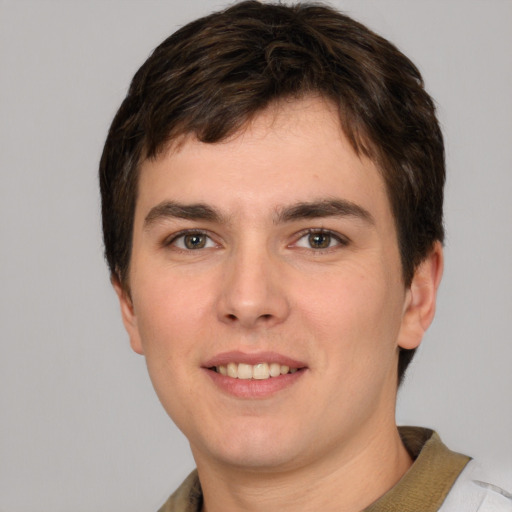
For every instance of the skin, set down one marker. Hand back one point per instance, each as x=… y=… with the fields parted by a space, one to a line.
x=257 y=285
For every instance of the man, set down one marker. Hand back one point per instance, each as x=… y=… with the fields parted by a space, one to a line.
x=272 y=192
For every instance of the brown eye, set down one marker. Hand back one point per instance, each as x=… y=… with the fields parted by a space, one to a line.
x=192 y=241
x=319 y=240
x=195 y=241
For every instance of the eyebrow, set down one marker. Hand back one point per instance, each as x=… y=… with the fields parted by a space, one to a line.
x=299 y=211
x=324 y=208
x=172 y=209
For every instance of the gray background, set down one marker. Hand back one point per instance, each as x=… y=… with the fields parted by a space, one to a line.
x=80 y=427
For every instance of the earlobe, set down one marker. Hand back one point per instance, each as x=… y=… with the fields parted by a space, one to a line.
x=421 y=298
x=128 y=315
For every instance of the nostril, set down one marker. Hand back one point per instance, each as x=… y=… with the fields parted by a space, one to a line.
x=232 y=317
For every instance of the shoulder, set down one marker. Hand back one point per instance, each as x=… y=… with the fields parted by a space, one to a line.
x=472 y=492
x=187 y=498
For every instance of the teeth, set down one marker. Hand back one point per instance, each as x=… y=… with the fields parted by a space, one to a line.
x=260 y=371
x=244 y=371
x=275 y=369
x=232 y=370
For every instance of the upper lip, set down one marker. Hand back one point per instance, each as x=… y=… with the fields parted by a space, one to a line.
x=254 y=358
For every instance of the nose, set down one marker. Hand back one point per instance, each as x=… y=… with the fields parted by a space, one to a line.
x=253 y=289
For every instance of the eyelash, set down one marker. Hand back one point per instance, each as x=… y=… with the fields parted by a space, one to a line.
x=340 y=240
x=171 y=241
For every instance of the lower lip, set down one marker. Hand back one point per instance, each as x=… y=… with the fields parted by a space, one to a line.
x=254 y=388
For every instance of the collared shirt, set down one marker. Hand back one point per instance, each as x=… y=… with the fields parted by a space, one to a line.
x=428 y=486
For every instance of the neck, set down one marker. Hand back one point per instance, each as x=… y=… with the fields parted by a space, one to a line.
x=342 y=482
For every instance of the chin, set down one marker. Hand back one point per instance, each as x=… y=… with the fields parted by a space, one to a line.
x=259 y=458
x=254 y=448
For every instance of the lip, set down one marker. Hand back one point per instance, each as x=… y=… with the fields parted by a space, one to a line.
x=255 y=358
x=253 y=388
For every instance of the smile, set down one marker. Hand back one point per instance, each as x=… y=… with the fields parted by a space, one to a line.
x=259 y=371
x=254 y=376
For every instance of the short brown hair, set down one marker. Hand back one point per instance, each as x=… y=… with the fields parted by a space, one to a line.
x=211 y=77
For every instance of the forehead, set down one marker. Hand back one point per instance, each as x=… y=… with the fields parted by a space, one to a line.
x=293 y=151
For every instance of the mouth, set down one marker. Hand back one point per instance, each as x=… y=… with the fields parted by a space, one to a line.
x=254 y=375
x=259 y=371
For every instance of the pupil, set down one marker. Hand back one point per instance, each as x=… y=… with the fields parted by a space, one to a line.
x=195 y=241
x=319 y=240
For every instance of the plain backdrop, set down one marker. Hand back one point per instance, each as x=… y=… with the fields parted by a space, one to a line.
x=80 y=426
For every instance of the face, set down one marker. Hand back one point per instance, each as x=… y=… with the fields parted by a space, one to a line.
x=267 y=293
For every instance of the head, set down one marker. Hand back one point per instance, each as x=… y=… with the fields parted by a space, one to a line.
x=211 y=78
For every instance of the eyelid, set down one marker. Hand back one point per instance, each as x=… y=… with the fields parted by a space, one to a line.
x=341 y=239
x=171 y=239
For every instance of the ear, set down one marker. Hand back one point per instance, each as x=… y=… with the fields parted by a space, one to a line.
x=128 y=315
x=420 y=302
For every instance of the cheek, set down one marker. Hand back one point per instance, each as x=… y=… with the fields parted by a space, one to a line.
x=355 y=314
x=170 y=315
x=171 y=323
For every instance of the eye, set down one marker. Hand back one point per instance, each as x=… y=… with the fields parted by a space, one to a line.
x=192 y=241
x=320 y=240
